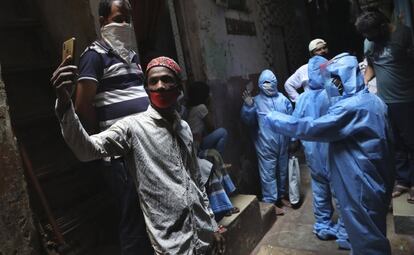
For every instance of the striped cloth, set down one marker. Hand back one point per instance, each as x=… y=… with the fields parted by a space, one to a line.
x=120 y=91
x=219 y=184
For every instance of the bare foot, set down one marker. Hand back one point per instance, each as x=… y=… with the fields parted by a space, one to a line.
x=286 y=202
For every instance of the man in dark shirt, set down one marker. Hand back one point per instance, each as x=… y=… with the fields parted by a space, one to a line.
x=110 y=87
x=389 y=51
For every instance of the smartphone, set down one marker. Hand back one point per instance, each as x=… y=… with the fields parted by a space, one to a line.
x=68 y=49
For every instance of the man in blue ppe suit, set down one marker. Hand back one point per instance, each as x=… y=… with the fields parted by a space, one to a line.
x=359 y=157
x=271 y=149
x=315 y=103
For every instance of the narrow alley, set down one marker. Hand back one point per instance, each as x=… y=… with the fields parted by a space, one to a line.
x=138 y=127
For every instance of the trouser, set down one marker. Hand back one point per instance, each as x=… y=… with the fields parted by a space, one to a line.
x=323 y=209
x=215 y=140
x=402 y=122
x=363 y=210
x=132 y=230
x=322 y=204
x=341 y=233
x=273 y=170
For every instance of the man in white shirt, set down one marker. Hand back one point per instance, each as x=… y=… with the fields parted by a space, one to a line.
x=300 y=77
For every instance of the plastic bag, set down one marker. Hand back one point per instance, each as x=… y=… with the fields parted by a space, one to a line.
x=294 y=180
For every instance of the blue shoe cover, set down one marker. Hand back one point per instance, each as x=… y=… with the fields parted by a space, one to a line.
x=326 y=234
x=343 y=244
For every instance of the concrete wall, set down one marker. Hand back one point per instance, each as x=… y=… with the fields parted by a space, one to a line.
x=17 y=231
x=227 y=55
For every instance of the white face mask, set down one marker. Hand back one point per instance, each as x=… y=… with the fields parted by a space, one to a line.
x=268 y=89
x=121 y=38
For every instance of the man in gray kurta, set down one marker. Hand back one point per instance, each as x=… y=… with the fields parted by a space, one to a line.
x=172 y=196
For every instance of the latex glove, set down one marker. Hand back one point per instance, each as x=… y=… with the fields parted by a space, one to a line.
x=248 y=99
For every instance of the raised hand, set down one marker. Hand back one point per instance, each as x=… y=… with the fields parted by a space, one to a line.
x=63 y=81
x=248 y=99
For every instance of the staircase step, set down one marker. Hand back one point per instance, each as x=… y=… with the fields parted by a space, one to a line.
x=240 y=201
x=268 y=213
x=245 y=229
x=403 y=215
x=270 y=250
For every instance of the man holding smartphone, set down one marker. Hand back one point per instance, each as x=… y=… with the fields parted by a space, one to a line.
x=158 y=148
x=110 y=87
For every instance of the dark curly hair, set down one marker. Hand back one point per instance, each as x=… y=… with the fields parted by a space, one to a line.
x=370 y=20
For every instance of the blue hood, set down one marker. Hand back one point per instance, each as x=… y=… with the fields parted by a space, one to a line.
x=268 y=76
x=316 y=80
x=346 y=67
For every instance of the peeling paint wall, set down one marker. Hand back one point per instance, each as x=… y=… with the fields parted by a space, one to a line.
x=17 y=231
x=227 y=55
x=229 y=62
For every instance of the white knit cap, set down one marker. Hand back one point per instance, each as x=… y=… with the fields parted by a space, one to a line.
x=316 y=44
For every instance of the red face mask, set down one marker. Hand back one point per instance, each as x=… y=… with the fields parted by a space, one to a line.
x=165 y=98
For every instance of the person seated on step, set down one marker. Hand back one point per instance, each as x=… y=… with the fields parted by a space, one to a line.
x=219 y=185
x=200 y=121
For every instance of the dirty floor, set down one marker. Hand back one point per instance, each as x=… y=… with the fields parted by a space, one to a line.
x=292 y=233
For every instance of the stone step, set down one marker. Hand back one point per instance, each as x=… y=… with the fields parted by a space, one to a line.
x=270 y=250
x=403 y=215
x=268 y=216
x=245 y=229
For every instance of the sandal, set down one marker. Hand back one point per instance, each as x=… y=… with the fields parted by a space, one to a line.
x=410 y=198
x=235 y=210
x=232 y=211
x=399 y=190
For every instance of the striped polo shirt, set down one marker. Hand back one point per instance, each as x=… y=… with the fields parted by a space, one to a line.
x=120 y=90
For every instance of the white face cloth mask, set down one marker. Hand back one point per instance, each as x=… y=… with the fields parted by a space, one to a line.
x=121 y=38
x=268 y=89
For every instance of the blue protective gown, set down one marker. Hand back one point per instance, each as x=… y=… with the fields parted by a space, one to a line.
x=315 y=103
x=271 y=148
x=359 y=157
